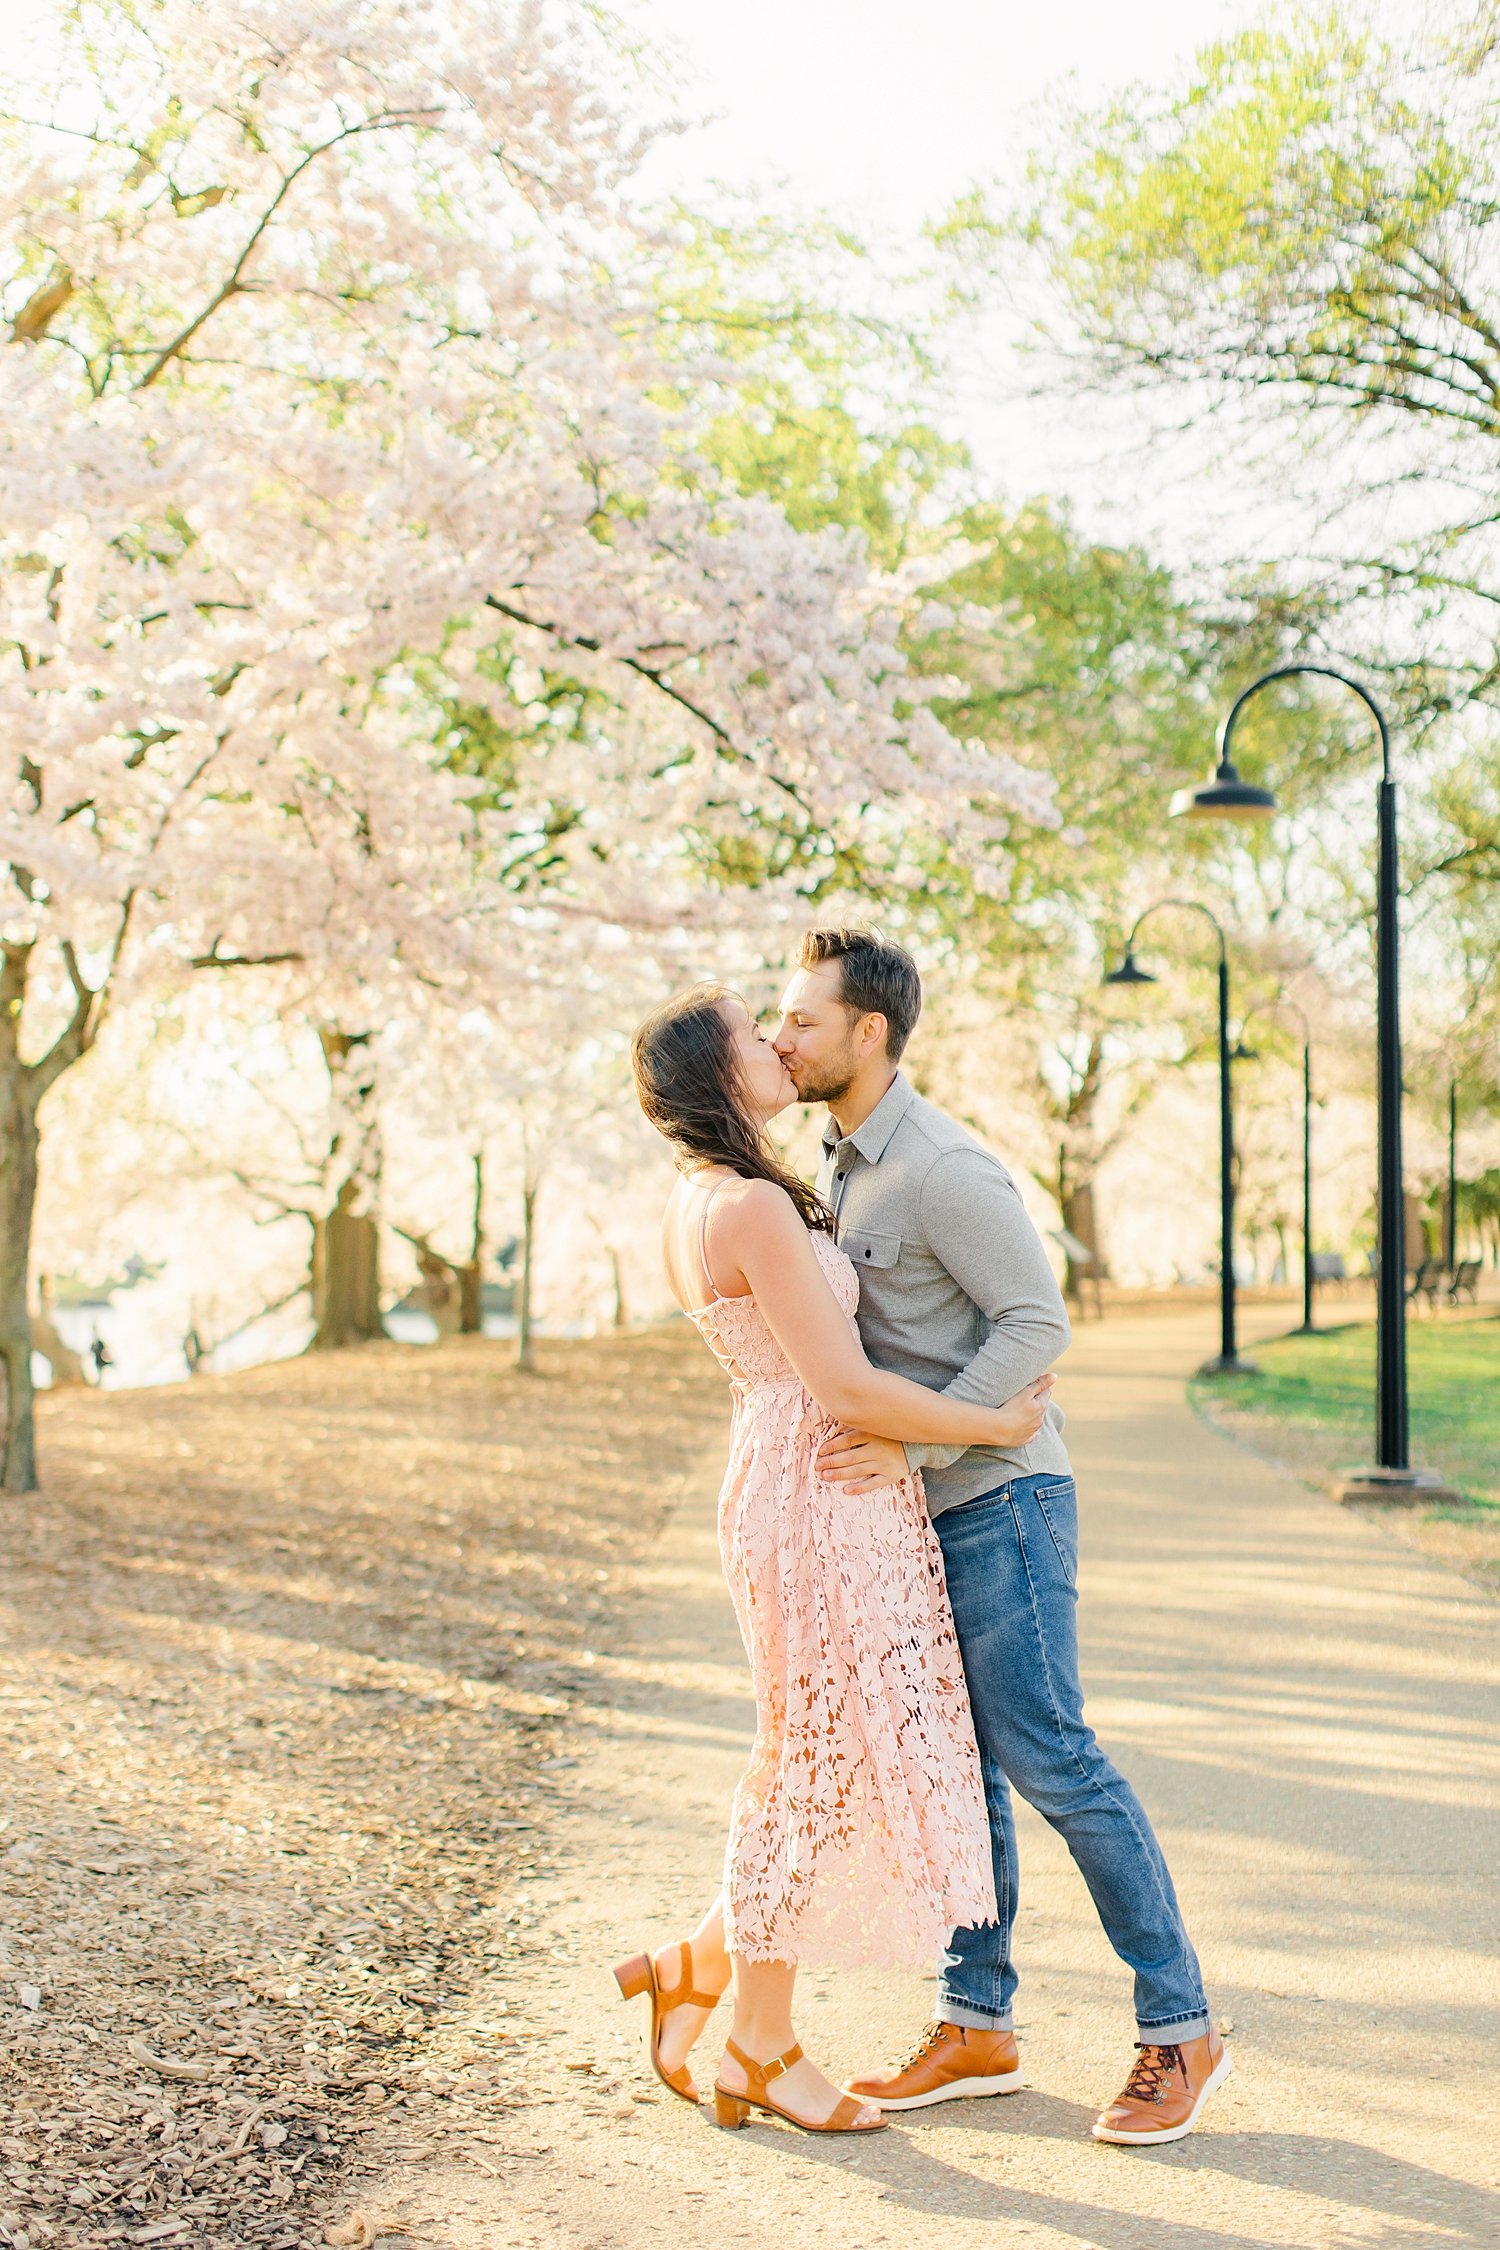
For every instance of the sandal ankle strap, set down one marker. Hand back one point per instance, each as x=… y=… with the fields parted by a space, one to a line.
x=758 y=2074
x=684 y=1994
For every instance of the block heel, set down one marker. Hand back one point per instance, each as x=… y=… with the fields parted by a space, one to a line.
x=729 y=2110
x=634 y=1976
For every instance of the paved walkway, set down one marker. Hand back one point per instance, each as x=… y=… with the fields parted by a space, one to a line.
x=1311 y=1712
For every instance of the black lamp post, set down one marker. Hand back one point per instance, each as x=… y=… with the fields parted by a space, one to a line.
x=1130 y=972
x=1290 y=1007
x=1229 y=797
x=1450 y=1214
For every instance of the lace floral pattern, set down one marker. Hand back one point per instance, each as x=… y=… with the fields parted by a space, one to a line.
x=858 y=1834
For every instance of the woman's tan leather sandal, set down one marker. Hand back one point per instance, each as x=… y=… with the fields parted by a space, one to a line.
x=732 y=2109
x=638 y=1975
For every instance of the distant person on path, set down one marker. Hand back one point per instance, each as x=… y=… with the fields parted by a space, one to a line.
x=858 y=1833
x=956 y=1293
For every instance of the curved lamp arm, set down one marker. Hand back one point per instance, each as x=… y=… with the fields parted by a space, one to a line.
x=1193 y=906
x=1228 y=1361
x=1294 y=672
x=1281 y=1007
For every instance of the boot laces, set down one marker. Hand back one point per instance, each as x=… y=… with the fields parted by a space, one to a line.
x=1152 y=2073
x=930 y=2038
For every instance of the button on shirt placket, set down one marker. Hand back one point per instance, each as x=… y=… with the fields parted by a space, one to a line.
x=843 y=1165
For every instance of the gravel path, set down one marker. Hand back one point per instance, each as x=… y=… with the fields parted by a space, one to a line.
x=1311 y=1711
x=286 y=1662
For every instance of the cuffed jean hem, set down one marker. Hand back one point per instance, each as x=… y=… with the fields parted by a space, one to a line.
x=949 y=2011
x=1174 y=2033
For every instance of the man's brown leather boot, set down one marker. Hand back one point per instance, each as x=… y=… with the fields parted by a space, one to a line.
x=949 y=2063
x=1164 y=2093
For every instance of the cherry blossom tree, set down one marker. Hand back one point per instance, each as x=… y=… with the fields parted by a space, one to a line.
x=313 y=380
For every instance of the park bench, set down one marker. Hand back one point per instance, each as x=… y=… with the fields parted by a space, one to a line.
x=1465 y=1282
x=1328 y=1266
x=1427 y=1280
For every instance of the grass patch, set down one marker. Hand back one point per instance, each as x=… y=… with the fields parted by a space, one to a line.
x=1313 y=1403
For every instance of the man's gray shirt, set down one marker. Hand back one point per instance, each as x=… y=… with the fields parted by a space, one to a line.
x=954 y=1286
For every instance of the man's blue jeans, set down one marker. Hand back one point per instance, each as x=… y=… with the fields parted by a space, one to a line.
x=1012 y=1558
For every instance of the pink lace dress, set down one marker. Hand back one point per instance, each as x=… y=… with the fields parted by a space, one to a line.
x=858 y=1834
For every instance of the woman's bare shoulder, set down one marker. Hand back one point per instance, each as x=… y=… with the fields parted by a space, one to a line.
x=734 y=1201
x=755 y=1208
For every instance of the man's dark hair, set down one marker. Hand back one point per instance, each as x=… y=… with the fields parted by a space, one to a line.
x=878 y=978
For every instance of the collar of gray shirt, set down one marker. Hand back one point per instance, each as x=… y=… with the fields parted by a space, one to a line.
x=874 y=1137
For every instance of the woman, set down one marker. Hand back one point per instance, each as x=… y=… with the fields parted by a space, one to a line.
x=858 y=1833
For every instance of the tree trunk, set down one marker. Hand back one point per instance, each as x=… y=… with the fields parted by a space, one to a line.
x=18 y=1153
x=22 y=1086
x=346 y=1277
x=453 y=1292
x=616 y=1276
x=1078 y=1159
x=525 y=1357
x=438 y=1289
x=346 y=1244
x=1075 y=1200
x=470 y=1281
x=1417 y=1230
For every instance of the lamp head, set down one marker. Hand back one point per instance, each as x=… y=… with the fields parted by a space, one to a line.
x=1239 y=1052
x=1227 y=797
x=1129 y=973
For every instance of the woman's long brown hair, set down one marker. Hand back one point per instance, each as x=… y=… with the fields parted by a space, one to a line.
x=688 y=1084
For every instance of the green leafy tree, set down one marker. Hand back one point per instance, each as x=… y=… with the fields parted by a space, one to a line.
x=1307 y=223
x=810 y=365
x=1301 y=230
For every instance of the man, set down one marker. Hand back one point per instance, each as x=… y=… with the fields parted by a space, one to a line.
x=956 y=1292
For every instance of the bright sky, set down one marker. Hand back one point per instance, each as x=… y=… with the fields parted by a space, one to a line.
x=890 y=110
x=884 y=114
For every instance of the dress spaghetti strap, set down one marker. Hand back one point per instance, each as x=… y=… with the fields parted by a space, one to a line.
x=713 y=1293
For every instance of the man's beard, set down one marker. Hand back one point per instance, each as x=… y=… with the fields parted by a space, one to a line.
x=832 y=1086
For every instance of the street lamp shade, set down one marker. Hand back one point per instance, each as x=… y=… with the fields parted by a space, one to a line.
x=1227 y=797
x=1239 y=1052
x=1129 y=972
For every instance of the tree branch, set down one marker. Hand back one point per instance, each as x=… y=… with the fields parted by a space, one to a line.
x=657 y=679
x=280 y=1208
x=426 y=1248
x=262 y=1312
x=214 y=959
x=235 y=285
x=77 y=1035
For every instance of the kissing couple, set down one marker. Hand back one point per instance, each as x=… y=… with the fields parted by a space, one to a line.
x=898 y=1527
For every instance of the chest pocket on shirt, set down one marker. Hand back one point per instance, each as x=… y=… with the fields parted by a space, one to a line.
x=867 y=1249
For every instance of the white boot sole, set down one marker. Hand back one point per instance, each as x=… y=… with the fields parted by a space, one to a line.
x=961 y=2090
x=1211 y=2084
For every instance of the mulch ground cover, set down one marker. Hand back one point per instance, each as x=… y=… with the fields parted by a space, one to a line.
x=282 y=1660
